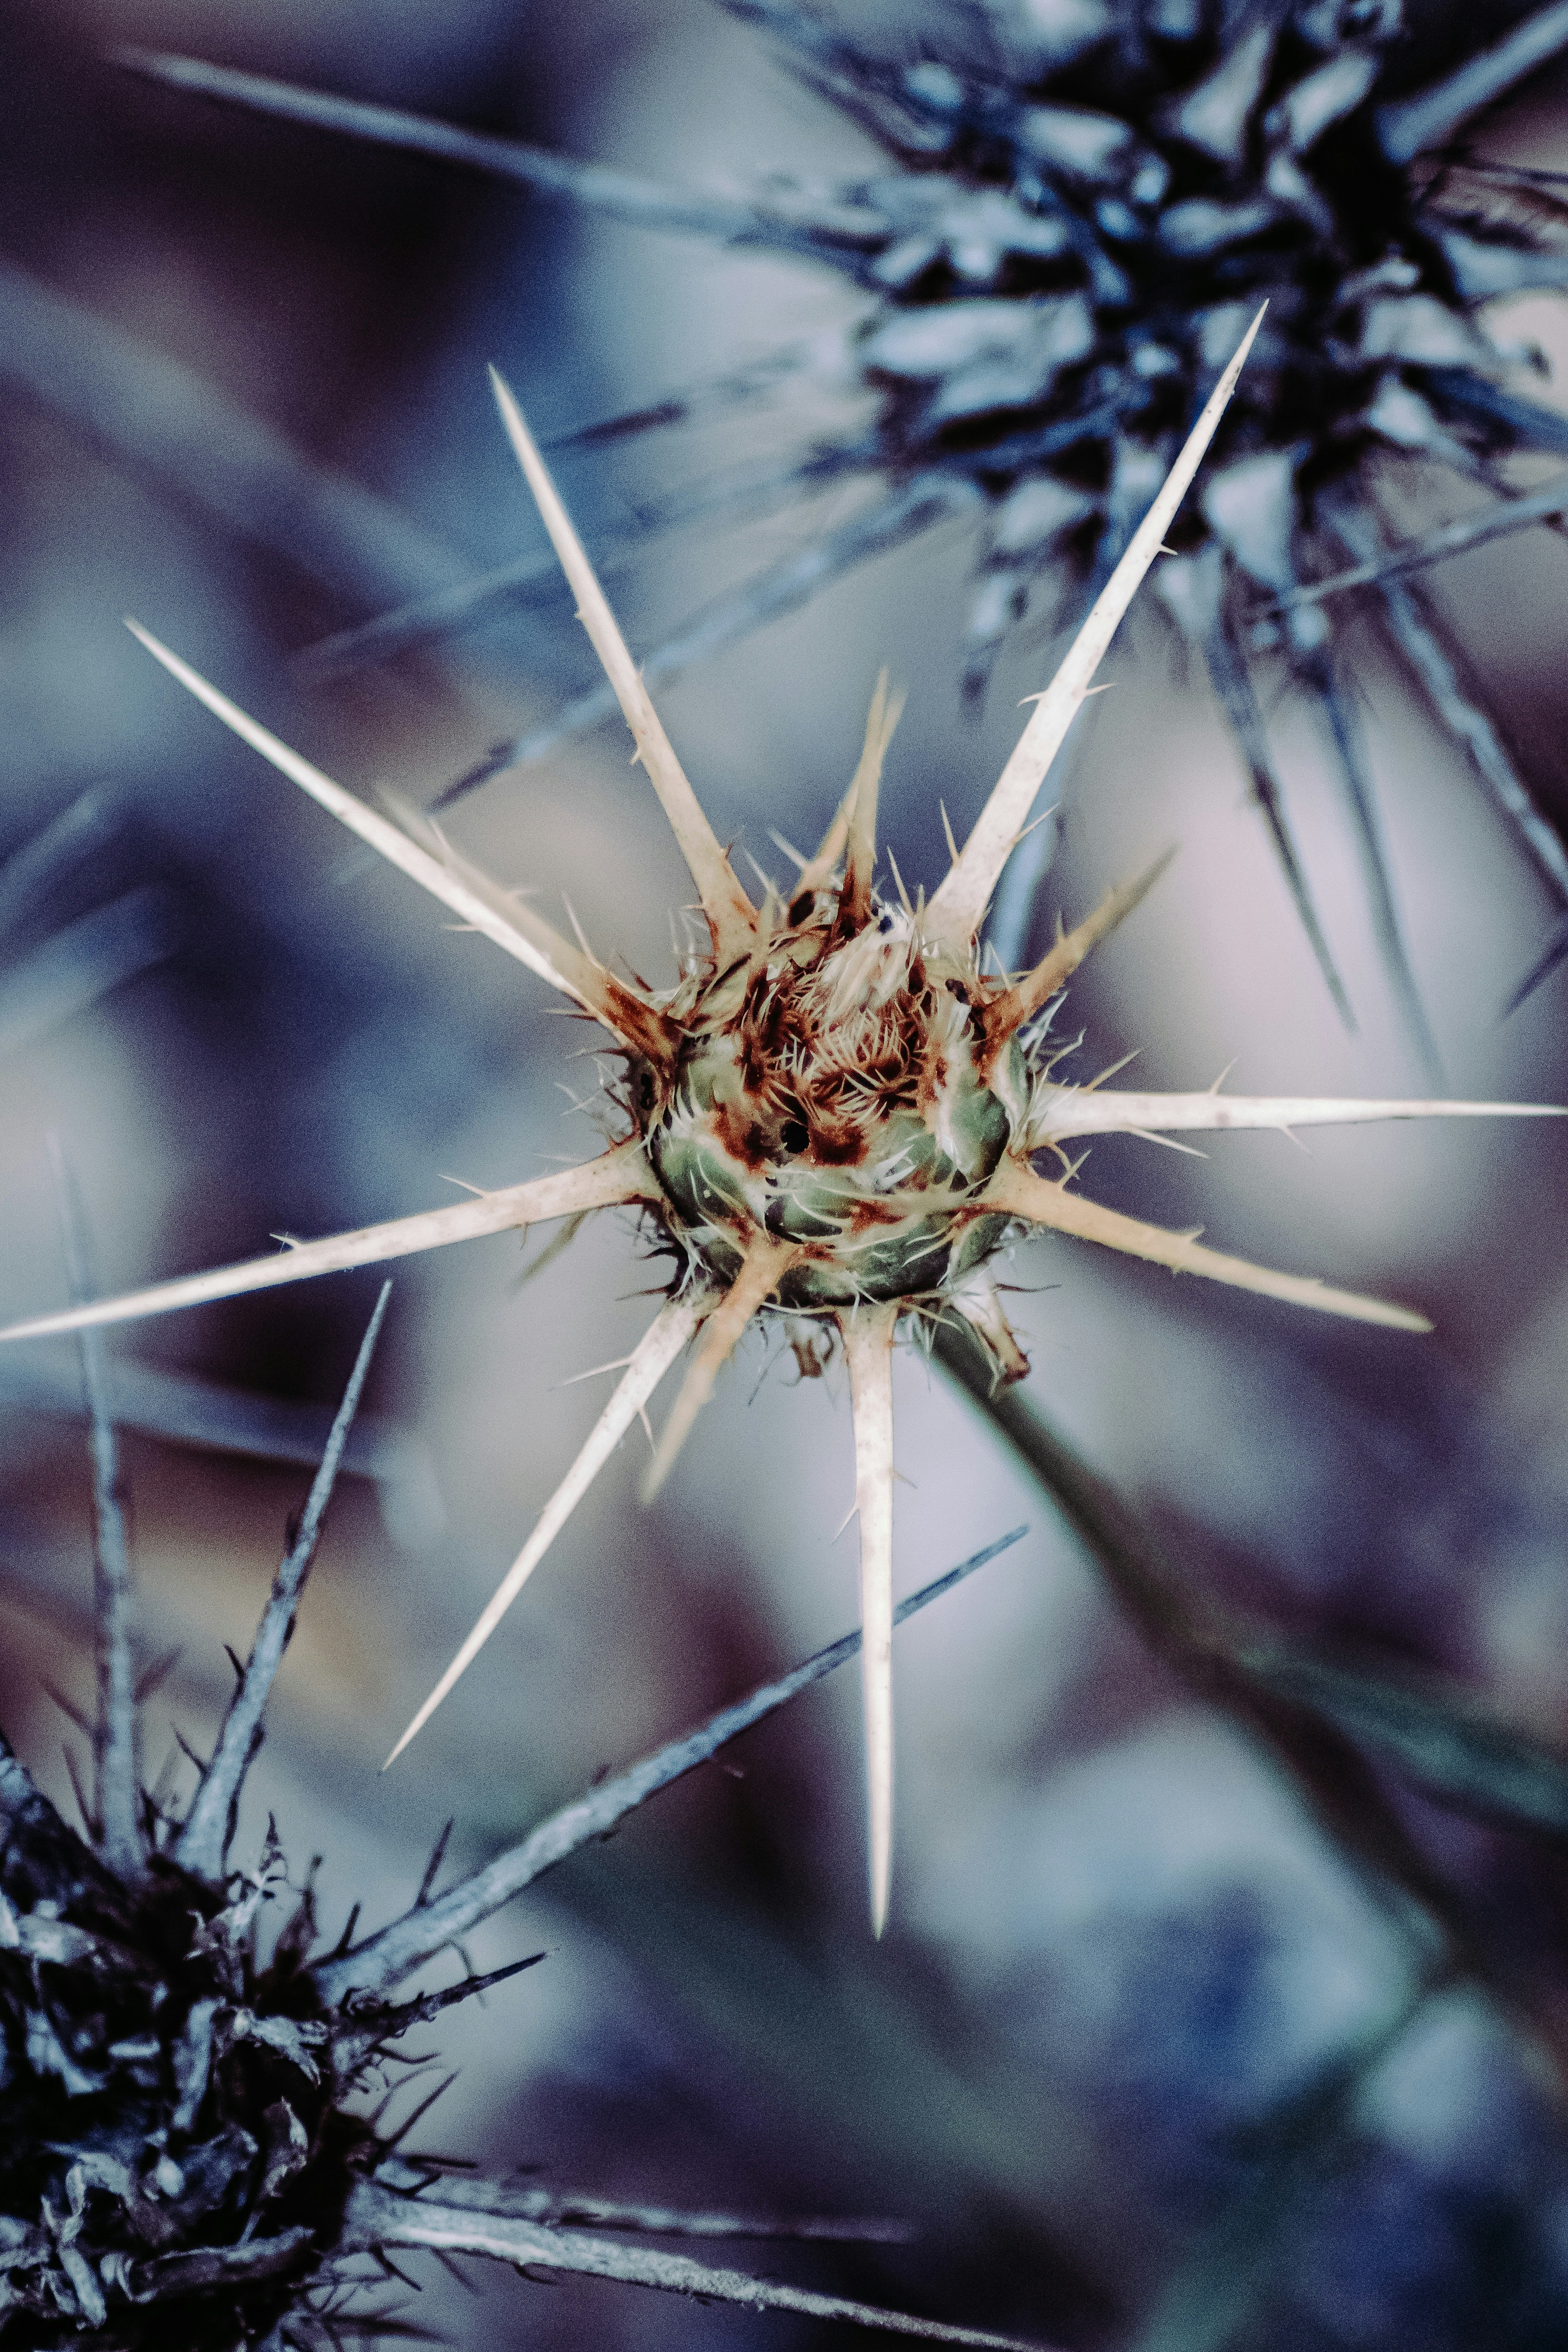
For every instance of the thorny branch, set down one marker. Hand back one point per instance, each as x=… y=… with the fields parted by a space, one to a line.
x=115 y=1774
x=204 y=1840
x=397 y=1950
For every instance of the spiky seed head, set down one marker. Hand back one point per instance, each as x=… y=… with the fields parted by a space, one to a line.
x=832 y=1110
x=835 y=1090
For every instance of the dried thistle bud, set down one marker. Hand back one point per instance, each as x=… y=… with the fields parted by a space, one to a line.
x=833 y=1114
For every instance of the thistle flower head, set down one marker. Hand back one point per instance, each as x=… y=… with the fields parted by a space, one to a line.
x=833 y=1112
x=836 y=1092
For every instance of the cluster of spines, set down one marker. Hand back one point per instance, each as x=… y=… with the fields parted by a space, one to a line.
x=1081 y=215
x=715 y=1315
x=180 y=2153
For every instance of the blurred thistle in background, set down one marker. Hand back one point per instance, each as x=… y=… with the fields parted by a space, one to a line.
x=180 y=2148
x=1092 y=200
x=1200 y=2022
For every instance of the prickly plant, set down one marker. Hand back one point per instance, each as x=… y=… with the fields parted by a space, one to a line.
x=831 y=1119
x=189 y=2155
x=1085 y=201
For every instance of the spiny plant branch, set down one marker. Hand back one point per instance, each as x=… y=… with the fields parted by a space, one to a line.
x=1414 y=631
x=380 y=2218
x=114 y=1757
x=1433 y=115
x=1388 y=927
x=1498 y=519
x=1233 y=683
x=788 y=222
x=203 y=1842
x=782 y=587
x=749 y=493
x=261 y=2056
x=560 y=2207
x=395 y=1952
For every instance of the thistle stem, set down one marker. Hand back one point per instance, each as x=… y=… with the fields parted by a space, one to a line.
x=378 y=2216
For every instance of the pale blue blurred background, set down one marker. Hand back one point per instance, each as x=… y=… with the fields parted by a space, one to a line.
x=242 y=396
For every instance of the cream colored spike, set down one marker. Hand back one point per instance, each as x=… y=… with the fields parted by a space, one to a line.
x=956 y=911
x=620 y=1176
x=1090 y=1111
x=860 y=837
x=1025 y=1194
x=1006 y=1014
x=659 y=1346
x=522 y=933
x=763 y=1267
x=868 y=1345
x=817 y=871
x=730 y=915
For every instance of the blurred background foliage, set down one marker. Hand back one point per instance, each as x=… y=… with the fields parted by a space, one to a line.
x=1224 y=2000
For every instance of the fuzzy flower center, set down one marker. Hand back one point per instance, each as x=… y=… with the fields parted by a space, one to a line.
x=837 y=1090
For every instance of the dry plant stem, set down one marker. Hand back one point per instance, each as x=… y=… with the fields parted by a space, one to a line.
x=730 y=915
x=1312 y=1718
x=383 y=1959
x=868 y=1334
x=1083 y=1110
x=619 y=1178
x=789 y=222
x=1232 y=683
x=570 y=2208
x=513 y=928
x=1411 y=628
x=744 y=495
x=380 y=2219
x=1026 y=1195
x=766 y=1263
x=1429 y=547
x=114 y=1757
x=958 y=906
x=1433 y=115
x=203 y=1842
x=1376 y=878
x=660 y=1345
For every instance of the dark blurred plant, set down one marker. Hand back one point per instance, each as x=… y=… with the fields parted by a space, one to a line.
x=182 y=2151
